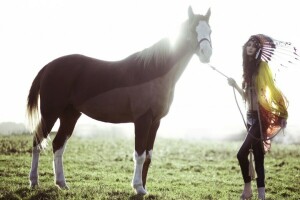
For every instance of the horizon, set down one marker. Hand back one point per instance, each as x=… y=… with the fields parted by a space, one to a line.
x=106 y=130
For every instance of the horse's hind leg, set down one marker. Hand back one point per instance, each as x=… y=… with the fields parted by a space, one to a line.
x=67 y=123
x=42 y=131
x=33 y=175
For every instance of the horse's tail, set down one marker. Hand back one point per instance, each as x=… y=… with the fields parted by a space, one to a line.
x=33 y=115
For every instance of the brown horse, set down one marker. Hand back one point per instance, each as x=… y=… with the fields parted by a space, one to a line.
x=137 y=89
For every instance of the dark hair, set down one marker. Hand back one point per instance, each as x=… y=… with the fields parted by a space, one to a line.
x=250 y=64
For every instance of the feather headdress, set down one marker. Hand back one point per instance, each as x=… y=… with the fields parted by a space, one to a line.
x=270 y=49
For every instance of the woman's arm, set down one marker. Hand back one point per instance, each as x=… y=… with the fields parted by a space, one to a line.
x=232 y=83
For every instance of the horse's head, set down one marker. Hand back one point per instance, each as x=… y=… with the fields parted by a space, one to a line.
x=199 y=34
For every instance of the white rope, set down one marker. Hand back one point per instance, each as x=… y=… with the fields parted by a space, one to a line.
x=259 y=139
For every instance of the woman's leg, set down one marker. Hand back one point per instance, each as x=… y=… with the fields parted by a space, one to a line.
x=259 y=161
x=242 y=157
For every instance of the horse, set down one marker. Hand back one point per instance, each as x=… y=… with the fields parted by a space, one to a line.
x=138 y=89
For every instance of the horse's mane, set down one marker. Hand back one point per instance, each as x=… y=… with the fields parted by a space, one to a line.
x=157 y=54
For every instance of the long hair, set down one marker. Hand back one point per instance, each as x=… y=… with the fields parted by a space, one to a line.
x=250 y=63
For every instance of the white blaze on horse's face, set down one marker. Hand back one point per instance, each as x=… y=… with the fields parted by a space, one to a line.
x=204 y=50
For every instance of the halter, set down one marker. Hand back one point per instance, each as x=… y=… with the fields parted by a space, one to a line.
x=201 y=40
x=204 y=39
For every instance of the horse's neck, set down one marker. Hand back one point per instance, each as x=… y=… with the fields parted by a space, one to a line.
x=160 y=60
x=181 y=57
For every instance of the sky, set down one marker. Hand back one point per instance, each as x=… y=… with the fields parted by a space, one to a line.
x=34 y=32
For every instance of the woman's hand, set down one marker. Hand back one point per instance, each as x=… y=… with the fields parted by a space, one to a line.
x=231 y=82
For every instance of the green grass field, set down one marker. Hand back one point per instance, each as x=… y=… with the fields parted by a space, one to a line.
x=101 y=168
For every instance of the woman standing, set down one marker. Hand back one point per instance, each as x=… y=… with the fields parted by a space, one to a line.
x=266 y=110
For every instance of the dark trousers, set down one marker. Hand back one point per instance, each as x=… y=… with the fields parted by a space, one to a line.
x=252 y=140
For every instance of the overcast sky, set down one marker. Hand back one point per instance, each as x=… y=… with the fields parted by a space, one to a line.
x=34 y=32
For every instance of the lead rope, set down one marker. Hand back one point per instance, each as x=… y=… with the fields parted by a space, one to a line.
x=236 y=101
x=237 y=104
x=252 y=172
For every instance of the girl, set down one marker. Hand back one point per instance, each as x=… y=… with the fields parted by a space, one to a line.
x=266 y=111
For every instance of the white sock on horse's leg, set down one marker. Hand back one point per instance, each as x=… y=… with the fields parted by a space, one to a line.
x=149 y=155
x=33 y=175
x=137 y=182
x=60 y=180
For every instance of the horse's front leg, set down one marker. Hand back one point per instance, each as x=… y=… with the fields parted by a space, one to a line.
x=137 y=182
x=150 y=144
x=146 y=167
x=142 y=127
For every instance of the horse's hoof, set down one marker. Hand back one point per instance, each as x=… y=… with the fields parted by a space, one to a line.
x=62 y=186
x=139 y=189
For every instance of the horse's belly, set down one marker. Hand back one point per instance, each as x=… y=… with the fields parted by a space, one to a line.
x=127 y=104
x=110 y=107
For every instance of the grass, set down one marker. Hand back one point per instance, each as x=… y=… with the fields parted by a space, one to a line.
x=101 y=168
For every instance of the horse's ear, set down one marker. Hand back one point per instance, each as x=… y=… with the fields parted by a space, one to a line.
x=191 y=13
x=207 y=15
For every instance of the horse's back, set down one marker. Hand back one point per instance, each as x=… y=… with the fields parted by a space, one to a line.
x=73 y=79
